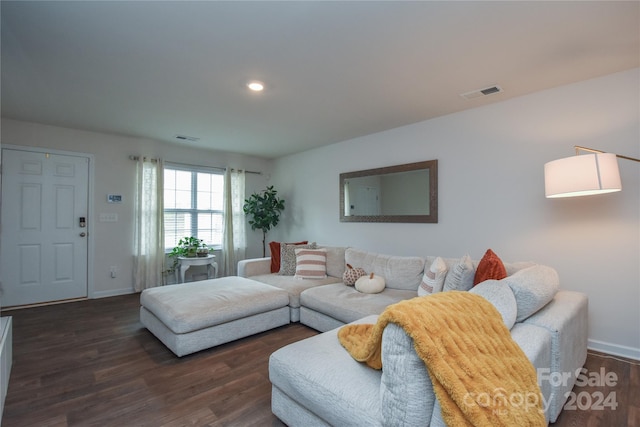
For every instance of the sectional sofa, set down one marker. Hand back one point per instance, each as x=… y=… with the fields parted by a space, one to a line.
x=316 y=382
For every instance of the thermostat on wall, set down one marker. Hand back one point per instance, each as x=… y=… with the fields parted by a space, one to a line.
x=114 y=198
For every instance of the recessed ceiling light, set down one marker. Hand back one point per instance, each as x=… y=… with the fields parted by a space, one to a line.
x=255 y=86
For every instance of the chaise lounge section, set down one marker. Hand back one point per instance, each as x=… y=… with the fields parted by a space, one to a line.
x=316 y=382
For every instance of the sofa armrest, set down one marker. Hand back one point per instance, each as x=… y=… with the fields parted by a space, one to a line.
x=565 y=318
x=254 y=267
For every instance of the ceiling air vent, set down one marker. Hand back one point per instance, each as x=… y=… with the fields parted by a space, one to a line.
x=481 y=92
x=187 y=138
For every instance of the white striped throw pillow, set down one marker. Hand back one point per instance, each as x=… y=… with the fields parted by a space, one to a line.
x=433 y=279
x=311 y=263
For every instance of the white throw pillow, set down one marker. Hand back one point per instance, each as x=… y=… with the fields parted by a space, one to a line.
x=311 y=263
x=433 y=279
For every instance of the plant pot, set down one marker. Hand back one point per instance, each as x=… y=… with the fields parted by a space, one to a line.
x=203 y=254
x=192 y=252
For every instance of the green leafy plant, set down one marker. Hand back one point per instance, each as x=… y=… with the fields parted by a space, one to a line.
x=187 y=247
x=264 y=210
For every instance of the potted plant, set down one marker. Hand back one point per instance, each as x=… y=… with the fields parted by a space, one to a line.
x=264 y=212
x=187 y=247
x=191 y=245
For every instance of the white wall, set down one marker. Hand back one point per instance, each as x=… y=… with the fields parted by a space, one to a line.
x=491 y=194
x=114 y=173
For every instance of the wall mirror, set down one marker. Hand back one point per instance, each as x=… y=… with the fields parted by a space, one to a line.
x=401 y=193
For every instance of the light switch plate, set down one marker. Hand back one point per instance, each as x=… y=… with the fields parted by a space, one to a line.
x=108 y=217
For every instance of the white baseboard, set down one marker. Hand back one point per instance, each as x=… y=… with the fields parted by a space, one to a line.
x=614 y=349
x=112 y=293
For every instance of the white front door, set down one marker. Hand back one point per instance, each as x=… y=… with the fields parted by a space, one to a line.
x=44 y=249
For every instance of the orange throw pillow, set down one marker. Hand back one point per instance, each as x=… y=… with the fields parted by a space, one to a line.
x=490 y=267
x=274 y=247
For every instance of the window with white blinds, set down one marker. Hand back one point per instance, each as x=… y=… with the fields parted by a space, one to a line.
x=193 y=204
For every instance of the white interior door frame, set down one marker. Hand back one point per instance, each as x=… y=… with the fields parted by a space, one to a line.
x=90 y=210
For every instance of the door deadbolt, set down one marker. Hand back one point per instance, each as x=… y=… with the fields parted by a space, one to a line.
x=83 y=234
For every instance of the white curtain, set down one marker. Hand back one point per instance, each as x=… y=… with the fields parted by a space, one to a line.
x=148 y=255
x=234 y=240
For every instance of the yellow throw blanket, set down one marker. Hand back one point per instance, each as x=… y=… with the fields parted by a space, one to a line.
x=481 y=377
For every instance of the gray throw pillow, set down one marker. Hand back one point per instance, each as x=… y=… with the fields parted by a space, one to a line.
x=498 y=293
x=533 y=287
x=460 y=276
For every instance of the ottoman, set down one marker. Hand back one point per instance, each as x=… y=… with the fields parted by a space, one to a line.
x=194 y=316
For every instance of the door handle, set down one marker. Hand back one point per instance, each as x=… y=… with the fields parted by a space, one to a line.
x=83 y=234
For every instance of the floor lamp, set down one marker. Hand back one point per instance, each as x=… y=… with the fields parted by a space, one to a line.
x=583 y=175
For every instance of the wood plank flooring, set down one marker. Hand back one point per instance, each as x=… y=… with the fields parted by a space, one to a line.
x=91 y=363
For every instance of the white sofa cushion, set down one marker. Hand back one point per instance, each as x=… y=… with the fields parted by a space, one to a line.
x=498 y=293
x=346 y=304
x=400 y=272
x=514 y=267
x=534 y=287
x=293 y=286
x=322 y=377
x=335 y=260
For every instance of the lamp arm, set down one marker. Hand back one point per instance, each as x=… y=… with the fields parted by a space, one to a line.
x=578 y=148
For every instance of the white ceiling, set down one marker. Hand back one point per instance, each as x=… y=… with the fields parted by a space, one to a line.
x=334 y=70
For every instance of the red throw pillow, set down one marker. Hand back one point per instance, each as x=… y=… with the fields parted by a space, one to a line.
x=274 y=247
x=489 y=267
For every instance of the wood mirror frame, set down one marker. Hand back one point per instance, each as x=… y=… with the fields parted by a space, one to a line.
x=429 y=214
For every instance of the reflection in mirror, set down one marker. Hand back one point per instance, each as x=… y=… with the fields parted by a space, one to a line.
x=402 y=193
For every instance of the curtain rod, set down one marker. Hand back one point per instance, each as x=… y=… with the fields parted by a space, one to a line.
x=136 y=158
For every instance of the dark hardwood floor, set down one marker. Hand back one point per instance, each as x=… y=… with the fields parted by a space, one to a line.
x=91 y=363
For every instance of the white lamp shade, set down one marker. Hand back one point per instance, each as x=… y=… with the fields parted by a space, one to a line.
x=582 y=175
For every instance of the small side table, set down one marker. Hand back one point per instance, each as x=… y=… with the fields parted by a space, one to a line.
x=185 y=262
